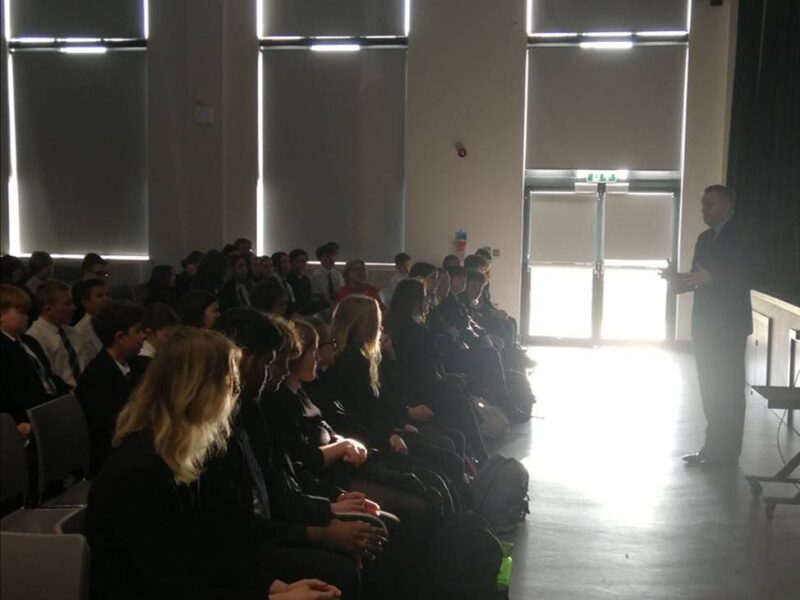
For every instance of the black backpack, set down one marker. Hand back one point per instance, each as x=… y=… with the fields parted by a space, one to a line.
x=465 y=556
x=499 y=493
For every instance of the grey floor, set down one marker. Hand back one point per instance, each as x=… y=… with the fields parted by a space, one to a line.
x=616 y=514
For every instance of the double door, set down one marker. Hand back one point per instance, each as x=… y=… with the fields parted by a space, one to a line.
x=592 y=256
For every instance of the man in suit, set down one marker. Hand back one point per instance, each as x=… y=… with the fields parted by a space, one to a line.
x=107 y=382
x=723 y=271
x=26 y=379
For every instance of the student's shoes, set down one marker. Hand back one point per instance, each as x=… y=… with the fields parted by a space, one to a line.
x=694 y=459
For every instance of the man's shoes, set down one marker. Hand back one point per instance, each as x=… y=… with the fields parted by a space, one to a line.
x=695 y=459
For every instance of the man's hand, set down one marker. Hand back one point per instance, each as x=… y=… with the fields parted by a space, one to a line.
x=305 y=589
x=355 y=453
x=355 y=502
x=420 y=413
x=355 y=537
x=696 y=279
x=669 y=273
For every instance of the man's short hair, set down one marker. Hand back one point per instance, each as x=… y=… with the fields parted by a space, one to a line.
x=158 y=316
x=12 y=296
x=49 y=291
x=721 y=190
x=451 y=260
x=118 y=316
x=324 y=251
x=38 y=261
x=475 y=275
x=421 y=270
x=297 y=253
x=401 y=258
x=475 y=261
x=92 y=259
x=83 y=289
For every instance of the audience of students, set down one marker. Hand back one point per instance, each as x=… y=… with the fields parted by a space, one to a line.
x=224 y=463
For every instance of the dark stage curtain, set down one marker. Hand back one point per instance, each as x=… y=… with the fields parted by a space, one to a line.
x=764 y=153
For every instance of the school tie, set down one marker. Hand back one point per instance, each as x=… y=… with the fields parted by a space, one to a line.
x=244 y=300
x=74 y=365
x=260 y=495
x=47 y=383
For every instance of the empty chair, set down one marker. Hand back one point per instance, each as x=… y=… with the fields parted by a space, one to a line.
x=37 y=566
x=14 y=485
x=62 y=442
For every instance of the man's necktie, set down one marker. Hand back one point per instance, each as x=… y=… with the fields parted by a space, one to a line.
x=74 y=365
x=47 y=383
x=260 y=495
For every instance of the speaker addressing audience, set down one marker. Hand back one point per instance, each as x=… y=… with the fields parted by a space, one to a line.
x=723 y=272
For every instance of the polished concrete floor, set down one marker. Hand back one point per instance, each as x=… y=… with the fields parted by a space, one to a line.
x=616 y=514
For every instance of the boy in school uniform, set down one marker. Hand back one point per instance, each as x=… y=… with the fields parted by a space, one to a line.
x=92 y=294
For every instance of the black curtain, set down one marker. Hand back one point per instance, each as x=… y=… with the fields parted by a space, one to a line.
x=764 y=152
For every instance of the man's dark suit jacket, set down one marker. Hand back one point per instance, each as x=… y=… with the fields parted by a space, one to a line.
x=722 y=308
x=102 y=391
x=20 y=383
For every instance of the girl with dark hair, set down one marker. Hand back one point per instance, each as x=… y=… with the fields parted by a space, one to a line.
x=198 y=308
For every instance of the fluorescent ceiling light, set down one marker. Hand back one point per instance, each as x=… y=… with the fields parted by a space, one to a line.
x=383 y=37
x=84 y=50
x=285 y=38
x=34 y=40
x=606 y=45
x=78 y=40
x=128 y=257
x=333 y=37
x=609 y=34
x=657 y=34
x=336 y=47
x=622 y=174
x=407 y=17
x=555 y=35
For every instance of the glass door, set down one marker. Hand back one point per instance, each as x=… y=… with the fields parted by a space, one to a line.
x=591 y=264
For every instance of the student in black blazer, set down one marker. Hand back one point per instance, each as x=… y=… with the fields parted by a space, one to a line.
x=107 y=382
x=25 y=376
x=237 y=292
x=144 y=516
x=301 y=284
x=723 y=272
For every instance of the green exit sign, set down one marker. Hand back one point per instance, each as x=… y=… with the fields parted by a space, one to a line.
x=601 y=177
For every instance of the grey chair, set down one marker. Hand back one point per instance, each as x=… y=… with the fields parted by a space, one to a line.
x=14 y=485
x=37 y=566
x=62 y=443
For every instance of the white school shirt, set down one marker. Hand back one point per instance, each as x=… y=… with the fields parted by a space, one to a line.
x=319 y=283
x=90 y=344
x=46 y=334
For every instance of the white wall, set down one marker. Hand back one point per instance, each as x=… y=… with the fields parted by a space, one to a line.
x=466 y=82
x=711 y=55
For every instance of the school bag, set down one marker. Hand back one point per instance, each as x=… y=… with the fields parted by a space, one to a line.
x=519 y=389
x=492 y=421
x=499 y=493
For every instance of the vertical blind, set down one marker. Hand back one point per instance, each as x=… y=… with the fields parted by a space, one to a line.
x=333 y=150
x=77 y=18
x=333 y=17
x=608 y=15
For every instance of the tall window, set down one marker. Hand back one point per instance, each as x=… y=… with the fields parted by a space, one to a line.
x=331 y=117
x=77 y=109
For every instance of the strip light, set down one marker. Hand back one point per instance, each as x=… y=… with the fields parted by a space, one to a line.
x=658 y=34
x=260 y=249
x=609 y=34
x=126 y=257
x=554 y=35
x=616 y=45
x=335 y=47
x=84 y=50
x=407 y=17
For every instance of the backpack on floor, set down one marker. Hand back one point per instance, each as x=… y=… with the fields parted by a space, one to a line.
x=519 y=389
x=465 y=556
x=492 y=421
x=499 y=493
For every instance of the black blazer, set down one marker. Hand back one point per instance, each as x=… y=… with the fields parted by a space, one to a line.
x=301 y=285
x=417 y=355
x=19 y=381
x=228 y=298
x=144 y=530
x=374 y=417
x=102 y=391
x=722 y=308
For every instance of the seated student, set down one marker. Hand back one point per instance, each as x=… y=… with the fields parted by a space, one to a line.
x=184 y=281
x=281 y=267
x=355 y=282
x=143 y=517
x=269 y=297
x=243 y=245
x=198 y=308
x=402 y=262
x=262 y=268
x=40 y=269
x=58 y=340
x=304 y=303
x=211 y=272
x=325 y=279
x=255 y=512
x=157 y=324
x=25 y=376
x=161 y=286
x=237 y=292
x=107 y=382
x=442 y=289
x=450 y=261
x=94 y=266
x=423 y=375
x=12 y=270
x=92 y=295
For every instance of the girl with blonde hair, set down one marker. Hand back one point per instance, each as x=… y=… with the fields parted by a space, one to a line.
x=143 y=518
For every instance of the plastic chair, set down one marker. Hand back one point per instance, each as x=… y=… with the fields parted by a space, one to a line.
x=42 y=567
x=62 y=441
